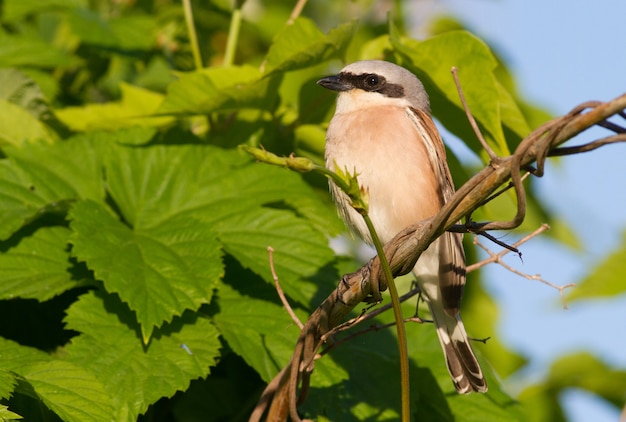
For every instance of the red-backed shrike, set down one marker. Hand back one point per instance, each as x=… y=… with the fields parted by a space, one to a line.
x=383 y=131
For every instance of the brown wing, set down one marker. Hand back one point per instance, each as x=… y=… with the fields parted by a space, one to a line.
x=451 y=252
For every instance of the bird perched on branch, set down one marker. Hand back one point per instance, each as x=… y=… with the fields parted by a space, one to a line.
x=382 y=130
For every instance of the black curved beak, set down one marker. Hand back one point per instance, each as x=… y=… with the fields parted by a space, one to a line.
x=335 y=83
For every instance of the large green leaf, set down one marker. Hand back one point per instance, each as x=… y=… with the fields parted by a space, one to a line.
x=215 y=89
x=301 y=252
x=301 y=44
x=39 y=178
x=136 y=375
x=38 y=267
x=161 y=254
x=160 y=273
x=69 y=390
x=135 y=108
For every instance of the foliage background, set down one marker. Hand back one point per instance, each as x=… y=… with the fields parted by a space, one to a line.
x=134 y=277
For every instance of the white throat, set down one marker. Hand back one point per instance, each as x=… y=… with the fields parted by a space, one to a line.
x=356 y=99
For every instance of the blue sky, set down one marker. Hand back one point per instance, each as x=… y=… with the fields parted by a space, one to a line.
x=562 y=53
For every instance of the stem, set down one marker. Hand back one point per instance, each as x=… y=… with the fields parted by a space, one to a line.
x=191 y=31
x=397 y=313
x=233 y=35
x=296 y=11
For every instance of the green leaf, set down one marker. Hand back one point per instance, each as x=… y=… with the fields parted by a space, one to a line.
x=259 y=331
x=121 y=32
x=18 y=51
x=135 y=109
x=134 y=33
x=585 y=371
x=246 y=227
x=8 y=381
x=542 y=404
x=38 y=267
x=159 y=272
x=135 y=375
x=19 y=126
x=175 y=202
x=301 y=44
x=579 y=370
x=214 y=89
x=91 y=27
x=14 y=10
x=68 y=389
x=300 y=252
x=39 y=178
x=606 y=279
x=491 y=105
x=19 y=89
x=7 y=415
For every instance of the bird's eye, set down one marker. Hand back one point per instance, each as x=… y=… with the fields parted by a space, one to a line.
x=372 y=81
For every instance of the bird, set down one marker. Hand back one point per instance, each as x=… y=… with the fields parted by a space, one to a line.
x=382 y=131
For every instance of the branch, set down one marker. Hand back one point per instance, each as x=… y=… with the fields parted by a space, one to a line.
x=407 y=246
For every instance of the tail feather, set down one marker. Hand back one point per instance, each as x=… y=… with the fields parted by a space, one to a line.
x=463 y=366
x=431 y=275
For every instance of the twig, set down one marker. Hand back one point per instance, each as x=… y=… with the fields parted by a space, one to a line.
x=612 y=126
x=497 y=258
x=492 y=155
x=587 y=147
x=495 y=161
x=281 y=294
x=371 y=328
